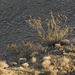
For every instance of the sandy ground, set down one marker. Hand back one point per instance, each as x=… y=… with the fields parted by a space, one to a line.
x=13 y=13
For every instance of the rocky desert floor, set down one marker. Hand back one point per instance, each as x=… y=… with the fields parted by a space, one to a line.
x=14 y=29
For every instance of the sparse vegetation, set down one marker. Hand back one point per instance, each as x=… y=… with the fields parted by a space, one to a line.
x=39 y=58
x=57 y=28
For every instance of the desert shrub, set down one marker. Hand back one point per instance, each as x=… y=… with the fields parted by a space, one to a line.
x=57 y=28
x=25 y=49
x=18 y=49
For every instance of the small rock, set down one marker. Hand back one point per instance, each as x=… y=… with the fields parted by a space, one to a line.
x=46 y=58
x=22 y=60
x=45 y=63
x=21 y=68
x=33 y=59
x=50 y=68
x=13 y=63
x=25 y=64
x=57 y=45
x=65 y=42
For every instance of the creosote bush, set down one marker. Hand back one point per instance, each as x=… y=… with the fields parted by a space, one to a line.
x=25 y=49
x=18 y=49
x=57 y=28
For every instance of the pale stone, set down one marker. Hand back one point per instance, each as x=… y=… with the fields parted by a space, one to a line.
x=21 y=68
x=22 y=60
x=13 y=63
x=33 y=59
x=45 y=63
x=65 y=42
x=25 y=64
x=57 y=45
x=46 y=58
x=51 y=67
